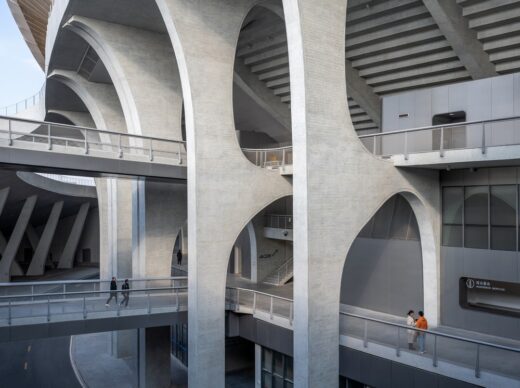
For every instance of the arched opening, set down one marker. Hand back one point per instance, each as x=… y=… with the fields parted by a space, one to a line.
x=261 y=90
x=383 y=271
x=260 y=264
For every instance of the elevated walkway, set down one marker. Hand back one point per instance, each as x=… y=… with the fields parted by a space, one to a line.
x=50 y=147
x=484 y=143
x=46 y=309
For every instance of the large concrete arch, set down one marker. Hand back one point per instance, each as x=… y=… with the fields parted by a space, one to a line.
x=114 y=195
x=143 y=68
x=217 y=169
x=338 y=185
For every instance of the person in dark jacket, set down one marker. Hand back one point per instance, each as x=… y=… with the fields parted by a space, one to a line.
x=113 y=291
x=126 y=294
x=179 y=257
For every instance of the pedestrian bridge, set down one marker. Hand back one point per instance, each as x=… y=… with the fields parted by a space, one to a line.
x=47 y=309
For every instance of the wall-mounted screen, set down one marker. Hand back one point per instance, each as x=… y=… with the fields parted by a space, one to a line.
x=490 y=295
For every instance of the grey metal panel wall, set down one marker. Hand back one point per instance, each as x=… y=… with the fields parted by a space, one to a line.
x=382 y=373
x=266 y=334
x=481 y=263
x=383 y=275
x=488 y=98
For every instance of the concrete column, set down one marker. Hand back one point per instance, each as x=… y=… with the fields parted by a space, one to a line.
x=338 y=186
x=37 y=265
x=16 y=237
x=154 y=357
x=258 y=366
x=69 y=251
x=159 y=211
x=225 y=191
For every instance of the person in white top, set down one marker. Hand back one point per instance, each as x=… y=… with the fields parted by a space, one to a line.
x=412 y=334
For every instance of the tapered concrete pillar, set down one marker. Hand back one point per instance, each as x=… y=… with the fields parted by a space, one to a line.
x=16 y=237
x=225 y=191
x=338 y=187
x=37 y=265
x=154 y=357
x=69 y=251
x=159 y=211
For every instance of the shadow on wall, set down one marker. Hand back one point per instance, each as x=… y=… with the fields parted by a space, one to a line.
x=383 y=270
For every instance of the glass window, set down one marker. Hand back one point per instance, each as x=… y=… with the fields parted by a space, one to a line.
x=452 y=205
x=503 y=217
x=476 y=217
x=267 y=360
x=278 y=364
x=267 y=380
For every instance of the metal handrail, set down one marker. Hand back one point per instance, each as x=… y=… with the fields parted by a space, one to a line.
x=95 y=130
x=85 y=281
x=61 y=294
x=267 y=149
x=435 y=333
x=36 y=97
x=461 y=124
x=287 y=218
x=260 y=293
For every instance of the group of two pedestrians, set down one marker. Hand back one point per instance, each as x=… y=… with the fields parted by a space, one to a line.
x=125 y=291
x=414 y=335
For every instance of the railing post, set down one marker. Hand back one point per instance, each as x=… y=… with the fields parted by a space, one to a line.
x=149 y=303
x=49 y=139
x=398 y=348
x=435 y=351
x=365 y=335
x=374 y=145
x=483 y=138
x=64 y=290
x=120 y=154
x=9 y=133
x=9 y=314
x=179 y=151
x=441 y=146
x=254 y=303
x=291 y=313
x=406 y=146
x=151 y=150
x=177 y=298
x=86 y=141
x=84 y=307
x=271 y=308
x=32 y=292
x=48 y=309
x=283 y=157
x=477 y=363
x=237 y=306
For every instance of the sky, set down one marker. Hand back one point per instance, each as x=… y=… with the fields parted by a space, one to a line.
x=20 y=74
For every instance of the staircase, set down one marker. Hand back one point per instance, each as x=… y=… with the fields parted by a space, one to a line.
x=281 y=275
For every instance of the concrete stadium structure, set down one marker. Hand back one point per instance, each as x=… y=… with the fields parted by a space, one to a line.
x=323 y=166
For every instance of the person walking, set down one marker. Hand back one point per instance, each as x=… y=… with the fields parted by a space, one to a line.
x=411 y=334
x=126 y=294
x=113 y=291
x=422 y=324
x=179 y=257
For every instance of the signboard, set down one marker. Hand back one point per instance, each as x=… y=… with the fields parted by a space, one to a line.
x=491 y=296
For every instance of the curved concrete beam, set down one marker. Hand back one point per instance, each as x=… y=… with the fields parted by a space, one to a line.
x=55 y=186
x=338 y=184
x=81 y=119
x=143 y=68
x=100 y=99
x=217 y=169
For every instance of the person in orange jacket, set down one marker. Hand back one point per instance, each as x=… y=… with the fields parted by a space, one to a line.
x=421 y=323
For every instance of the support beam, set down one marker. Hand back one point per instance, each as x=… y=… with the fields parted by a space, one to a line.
x=16 y=237
x=37 y=265
x=154 y=357
x=358 y=89
x=67 y=257
x=32 y=236
x=448 y=16
x=249 y=83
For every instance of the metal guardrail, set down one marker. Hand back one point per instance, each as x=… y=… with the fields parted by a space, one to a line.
x=437 y=344
x=272 y=306
x=34 y=289
x=56 y=303
x=479 y=134
x=279 y=221
x=281 y=274
x=76 y=139
x=24 y=104
x=271 y=158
